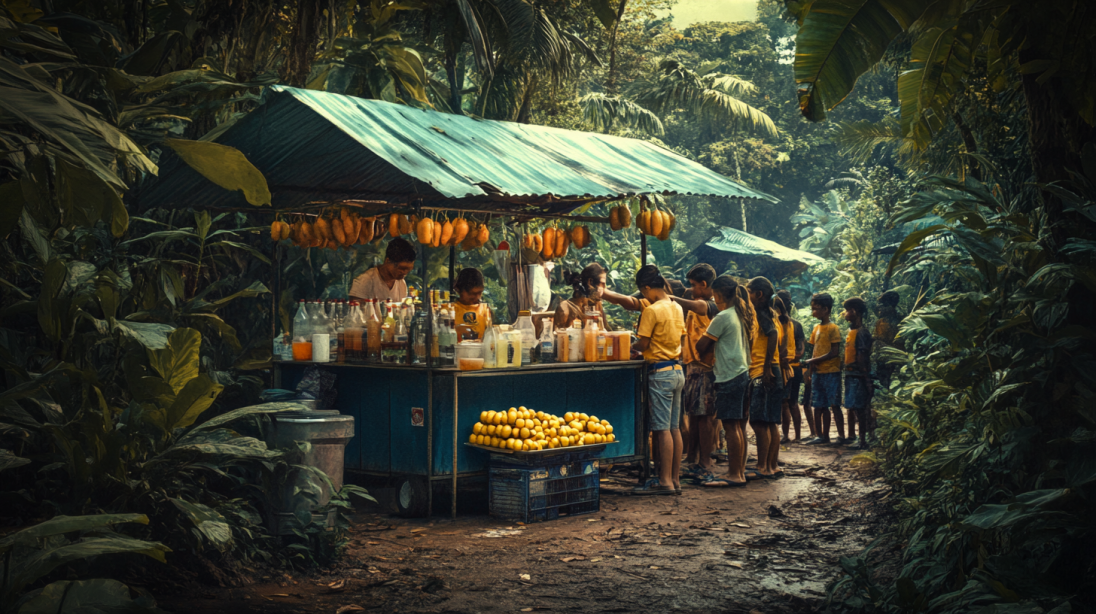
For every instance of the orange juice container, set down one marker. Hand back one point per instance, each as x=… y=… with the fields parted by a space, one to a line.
x=590 y=340
x=624 y=346
x=302 y=350
x=603 y=351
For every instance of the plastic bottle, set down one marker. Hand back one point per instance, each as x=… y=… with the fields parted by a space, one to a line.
x=333 y=331
x=449 y=347
x=302 y=333
x=372 y=337
x=547 y=343
x=590 y=341
x=492 y=340
x=418 y=339
x=528 y=332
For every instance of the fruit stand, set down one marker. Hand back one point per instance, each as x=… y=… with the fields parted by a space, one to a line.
x=412 y=422
x=390 y=169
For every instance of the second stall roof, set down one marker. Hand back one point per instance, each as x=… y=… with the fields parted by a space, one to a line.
x=321 y=147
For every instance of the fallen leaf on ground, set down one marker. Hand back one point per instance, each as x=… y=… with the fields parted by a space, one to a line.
x=417 y=530
x=668 y=513
x=374 y=543
x=742 y=525
x=655 y=567
x=279 y=594
x=595 y=560
x=568 y=559
x=709 y=513
x=337 y=584
x=349 y=608
x=525 y=577
x=735 y=564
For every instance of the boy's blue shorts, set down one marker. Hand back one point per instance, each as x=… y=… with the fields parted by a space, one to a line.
x=857 y=392
x=825 y=390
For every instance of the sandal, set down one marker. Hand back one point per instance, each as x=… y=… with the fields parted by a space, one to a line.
x=652 y=487
x=753 y=475
x=715 y=482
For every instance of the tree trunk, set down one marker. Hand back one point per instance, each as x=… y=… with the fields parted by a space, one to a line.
x=456 y=100
x=610 y=81
x=302 y=42
x=526 y=101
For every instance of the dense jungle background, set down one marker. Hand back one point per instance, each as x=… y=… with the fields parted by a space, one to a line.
x=941 y=149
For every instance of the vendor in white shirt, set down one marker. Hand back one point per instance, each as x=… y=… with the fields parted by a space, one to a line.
x=386 y=282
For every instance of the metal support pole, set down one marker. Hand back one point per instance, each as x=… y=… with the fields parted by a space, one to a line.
x=456 y=405
x=642 y=249
x=429 y=442
x=452 y=265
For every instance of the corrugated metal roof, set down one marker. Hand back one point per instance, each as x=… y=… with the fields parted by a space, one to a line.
x=317 y=146
x=760 y=256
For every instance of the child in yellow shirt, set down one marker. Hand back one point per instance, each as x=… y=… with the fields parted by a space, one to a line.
x=825 y=369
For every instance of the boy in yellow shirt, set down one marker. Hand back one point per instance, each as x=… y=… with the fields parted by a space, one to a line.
x=661 y=326
x=858 y=387
x=825 y=369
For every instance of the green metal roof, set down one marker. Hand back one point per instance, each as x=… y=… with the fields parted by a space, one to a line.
x=759 y=256
x=317 y=146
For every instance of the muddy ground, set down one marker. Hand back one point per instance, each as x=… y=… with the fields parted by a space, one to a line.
x=769 y=547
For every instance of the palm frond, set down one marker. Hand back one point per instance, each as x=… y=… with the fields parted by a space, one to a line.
x=534 y=40
x=859 y=139
x=601 y=112
x=678 y=87
x=583 y=49
x=735 y=86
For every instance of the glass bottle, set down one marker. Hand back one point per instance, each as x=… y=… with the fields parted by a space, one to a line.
x=302 y=333
x=547 y=343
x=372 y=335
x=528 y=332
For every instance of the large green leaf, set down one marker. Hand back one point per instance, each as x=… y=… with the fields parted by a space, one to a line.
x=177 y=363
x=840 y=40
x=195 y=397
x=1033 y=503
x=51 y=308
x=45 y=561
x=59 y=525
x=939 y=60
x=11 y=195
x=225 y=166
x=208 y=521
x=237 y=414
x=606 y=12
x=8 y=460
x=152 y=335
x=85 y=597
x=255 y=289
x=603 y=111
x=86 y=194
x=911 y=241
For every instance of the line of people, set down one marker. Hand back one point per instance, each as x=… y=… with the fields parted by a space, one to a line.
x=730 y=355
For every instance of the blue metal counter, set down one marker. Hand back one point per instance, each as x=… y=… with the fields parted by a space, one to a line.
x=412 y=422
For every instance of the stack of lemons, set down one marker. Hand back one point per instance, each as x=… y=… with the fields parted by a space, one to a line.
x=522 y=429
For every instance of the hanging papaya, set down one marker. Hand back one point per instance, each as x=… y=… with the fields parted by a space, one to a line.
x=337 y=232
x=424 y=231
x=469 y=242
x=446 y=232
x=538 y=243
x=350 y=226
x=483 y=235
x=625 y=216
x=322 y=228
x=656 y=222
x=405 y=225
x=563 y=244
x=275 y=230
x=460 y=230
x=394 y=224
x=306 y=234
x=548 y=248
x=614 y=219
x=437 y=234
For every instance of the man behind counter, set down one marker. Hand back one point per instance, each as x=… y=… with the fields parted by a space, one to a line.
x=386 y=282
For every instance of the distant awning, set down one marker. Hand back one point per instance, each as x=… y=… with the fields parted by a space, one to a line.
x=756 y=255
x=319 y=147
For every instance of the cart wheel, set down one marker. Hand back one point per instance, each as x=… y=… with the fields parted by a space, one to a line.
x=412 y=498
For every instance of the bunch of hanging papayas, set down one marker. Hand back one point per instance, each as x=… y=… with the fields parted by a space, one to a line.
x=620 y=217
x=436 y=233
x=555 y=242
x=655 y=222
x=333 y=229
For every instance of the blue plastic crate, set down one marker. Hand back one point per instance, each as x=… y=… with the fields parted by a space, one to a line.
x=547 y=492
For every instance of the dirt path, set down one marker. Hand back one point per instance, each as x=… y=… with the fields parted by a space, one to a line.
x=769 y=547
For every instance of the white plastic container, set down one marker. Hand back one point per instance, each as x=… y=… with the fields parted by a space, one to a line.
x=576 y=345
x=470 y=349
x=493 y=343
x=321 y=347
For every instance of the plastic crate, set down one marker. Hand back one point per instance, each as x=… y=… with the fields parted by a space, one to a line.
x=524 y=494
x=545 y=458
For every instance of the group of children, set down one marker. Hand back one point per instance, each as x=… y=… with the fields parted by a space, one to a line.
x=732 y=354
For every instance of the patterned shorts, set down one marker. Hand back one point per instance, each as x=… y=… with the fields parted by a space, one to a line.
x=857 y=392
x=699 y=396
x=825 y=390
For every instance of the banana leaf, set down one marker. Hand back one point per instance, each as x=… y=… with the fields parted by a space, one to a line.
x=759 y=256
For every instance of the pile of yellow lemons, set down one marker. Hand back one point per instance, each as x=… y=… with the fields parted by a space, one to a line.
x=522 y=429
